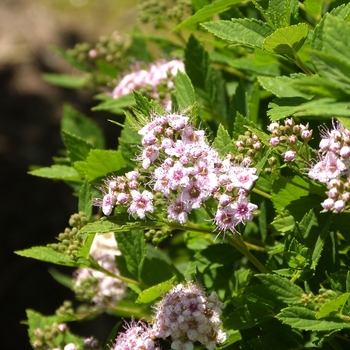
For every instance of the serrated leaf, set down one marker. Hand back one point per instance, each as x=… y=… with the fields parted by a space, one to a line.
x=335 y=305
x=82 y=126
x=133 y=248
x=47 y=254
x=85 y=198
x=294 y=197
x=155 y=292
x=250 y=32
x=206 y=12
x=283 y=223
x=100 y=163
x=64 y=80
x=305 y=319
x=296 y=106
x=78 y=149
x=223 y=143
x=184 y=93
x=283 y=86
x=320 y=86
x=282 y=289
x=116 y=105
x=57 y=172
x=287 y=40
x=333 y=68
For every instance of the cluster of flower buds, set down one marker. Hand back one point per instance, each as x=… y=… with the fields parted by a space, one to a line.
x=288 y=135
x=156 y=81
x=186 y=315
x=249 y=146
x=157 y=11
x=332 y=166
x=187 y=171
x=95 y=286
x=111 y=48
x=46 y=338
x=70 y=241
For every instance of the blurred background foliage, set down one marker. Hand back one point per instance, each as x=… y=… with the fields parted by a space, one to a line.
x=34 y=211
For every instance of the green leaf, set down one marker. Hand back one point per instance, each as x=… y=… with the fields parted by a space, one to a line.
x=206 y=12
x=283 y=223
x=333 y=68
x=133 y=248
x=185 y=94
x=248 y=316
x=320 y=86
x=100 y=163
x=153 y=293
x=293 y=196
x=335 y=305
x=78 y=149
x=286 y=40
x=305 y=319
x=64 y=80
x=82 y=126
x=85 y=198
x=121 y=223
x=283 y=86
x=282 y=289
x=65 y=280
x=116 y=105
x=333 y=43
x=314 y=7
x=250 y=32
x=223 y=143
x=47 y=254
x=57 y=172
x=296 y=106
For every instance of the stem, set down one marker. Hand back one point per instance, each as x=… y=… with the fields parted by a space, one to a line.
x=108 y=273
x=261 y=193
x=239 y=244
x=302 y=66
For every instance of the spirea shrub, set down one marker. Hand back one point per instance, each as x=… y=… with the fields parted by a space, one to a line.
x=221 y=219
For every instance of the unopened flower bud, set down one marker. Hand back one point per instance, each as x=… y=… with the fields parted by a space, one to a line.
x=339 y=205
x=274 y=141
x=306 y=135
x=292 y=140
x=289 y=156
x=345 y=152
x=328 y=204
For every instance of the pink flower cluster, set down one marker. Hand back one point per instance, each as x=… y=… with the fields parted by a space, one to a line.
x=138 y=336
x=188 y=315
x=161 y=72
x=332 y=166
x=187 y=171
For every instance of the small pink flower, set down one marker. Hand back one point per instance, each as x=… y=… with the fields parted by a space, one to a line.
x=108 y=202
x=141 y=203
x=243 y=210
